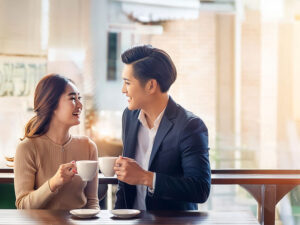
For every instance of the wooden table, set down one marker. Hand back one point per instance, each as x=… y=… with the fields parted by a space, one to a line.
x=146 y=217
x=9 y=178
x=268 y=187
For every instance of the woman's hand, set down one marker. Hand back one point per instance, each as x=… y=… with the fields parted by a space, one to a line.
x=64 y=174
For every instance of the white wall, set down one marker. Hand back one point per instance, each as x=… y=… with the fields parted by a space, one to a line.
x=20 y=27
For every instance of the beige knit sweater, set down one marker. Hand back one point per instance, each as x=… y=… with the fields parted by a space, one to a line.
x=37 y=160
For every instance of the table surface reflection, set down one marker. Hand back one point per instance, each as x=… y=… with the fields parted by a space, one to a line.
x=266 y=186
x=146 y=217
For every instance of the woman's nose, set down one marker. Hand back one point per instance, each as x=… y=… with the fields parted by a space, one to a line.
x=79 y=104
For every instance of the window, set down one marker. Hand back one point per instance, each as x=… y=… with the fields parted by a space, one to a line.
x=112 y=56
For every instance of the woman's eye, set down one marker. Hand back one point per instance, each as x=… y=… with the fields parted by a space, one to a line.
x=79 y=98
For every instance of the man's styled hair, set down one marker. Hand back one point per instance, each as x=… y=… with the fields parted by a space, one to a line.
x=151 y=63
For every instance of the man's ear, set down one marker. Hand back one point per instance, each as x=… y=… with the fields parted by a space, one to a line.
x=151 y=86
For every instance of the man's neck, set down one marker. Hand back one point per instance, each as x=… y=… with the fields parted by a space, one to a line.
x=155 y=107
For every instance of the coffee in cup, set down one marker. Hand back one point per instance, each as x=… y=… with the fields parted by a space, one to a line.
x=106 y=165
x=87 y=169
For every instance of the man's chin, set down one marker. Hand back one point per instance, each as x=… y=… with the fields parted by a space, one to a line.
x=131 y=107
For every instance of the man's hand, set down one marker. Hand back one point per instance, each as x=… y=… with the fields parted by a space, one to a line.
x=129 y=171
x=64 y=174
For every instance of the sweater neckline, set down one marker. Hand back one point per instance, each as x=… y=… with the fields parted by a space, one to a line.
x=56 y=144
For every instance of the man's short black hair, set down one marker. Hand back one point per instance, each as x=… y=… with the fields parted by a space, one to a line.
x=151 y=63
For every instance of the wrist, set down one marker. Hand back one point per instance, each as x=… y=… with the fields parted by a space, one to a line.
x=148 y=179
x=52 y=186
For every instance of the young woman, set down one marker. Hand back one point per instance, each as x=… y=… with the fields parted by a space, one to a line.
x=44 y=161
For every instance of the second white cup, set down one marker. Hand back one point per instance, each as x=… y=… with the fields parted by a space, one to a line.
x=106 y=165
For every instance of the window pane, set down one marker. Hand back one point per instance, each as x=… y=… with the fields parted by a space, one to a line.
x=112 y=56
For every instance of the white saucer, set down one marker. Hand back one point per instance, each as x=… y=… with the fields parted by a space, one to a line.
x=84 y=213
x=125 y=213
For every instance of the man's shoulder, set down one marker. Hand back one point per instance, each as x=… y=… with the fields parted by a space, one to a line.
x=186 y=114
x=188 y=120
x=131 y=113
x=175 y=110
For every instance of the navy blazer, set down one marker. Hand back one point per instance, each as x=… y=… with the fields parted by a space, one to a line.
x=179 y=158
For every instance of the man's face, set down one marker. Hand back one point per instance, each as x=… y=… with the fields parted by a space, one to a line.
x=137 y=96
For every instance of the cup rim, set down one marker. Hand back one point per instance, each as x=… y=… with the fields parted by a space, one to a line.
x=108 y=157
x=87 y=161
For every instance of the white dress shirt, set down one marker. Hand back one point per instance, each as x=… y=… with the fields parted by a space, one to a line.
x=145 y=142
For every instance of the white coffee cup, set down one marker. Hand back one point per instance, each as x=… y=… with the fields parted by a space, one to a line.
x=87 y=169
x=106 y=165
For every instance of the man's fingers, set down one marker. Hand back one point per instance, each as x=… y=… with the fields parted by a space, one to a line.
x=117 y=168
x=126 y=158
x=118 y=173
x=120 y=160
x=118 y=163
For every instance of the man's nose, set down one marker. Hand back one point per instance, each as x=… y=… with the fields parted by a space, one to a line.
x=124 y=89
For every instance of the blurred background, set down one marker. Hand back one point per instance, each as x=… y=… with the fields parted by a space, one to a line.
x=237 y=62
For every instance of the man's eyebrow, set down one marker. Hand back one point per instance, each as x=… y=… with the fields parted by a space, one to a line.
x=126 y=79
x=73 y=93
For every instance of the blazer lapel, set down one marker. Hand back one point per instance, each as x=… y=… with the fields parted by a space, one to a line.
x=131 y=140
x=163 y=129
x=165 y=125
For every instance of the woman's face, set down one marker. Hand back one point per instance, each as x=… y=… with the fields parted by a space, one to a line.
x=69 y=107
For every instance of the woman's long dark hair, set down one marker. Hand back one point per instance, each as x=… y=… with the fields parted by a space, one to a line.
x=46 y=98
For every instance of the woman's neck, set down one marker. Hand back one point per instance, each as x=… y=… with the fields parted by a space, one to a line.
x=58 y=134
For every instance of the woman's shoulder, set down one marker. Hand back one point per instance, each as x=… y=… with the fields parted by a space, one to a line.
x=26 y=143
x=83 y=139
x=85 y=142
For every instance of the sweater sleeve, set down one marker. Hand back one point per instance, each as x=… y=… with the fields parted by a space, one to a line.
x=27 y=197
x=91 y=190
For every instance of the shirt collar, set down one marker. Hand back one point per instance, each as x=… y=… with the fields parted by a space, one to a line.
x=142 y=119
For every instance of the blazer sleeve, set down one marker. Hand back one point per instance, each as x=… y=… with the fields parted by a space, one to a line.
x=120 y=194
x=194 y=185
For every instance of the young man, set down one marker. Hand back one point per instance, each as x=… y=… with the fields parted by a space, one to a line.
x=165 y=164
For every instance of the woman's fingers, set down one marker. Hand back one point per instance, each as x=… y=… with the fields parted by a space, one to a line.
x=74 y=170
x=68 y=169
